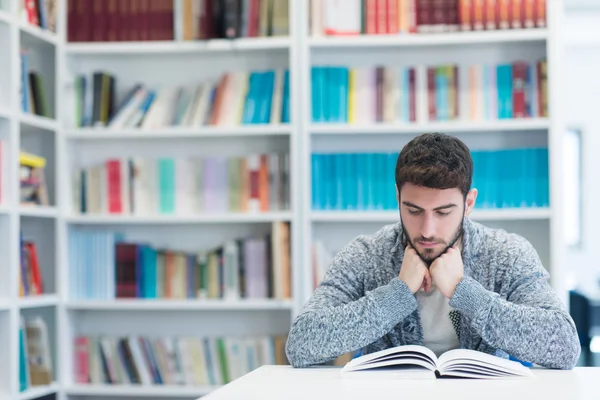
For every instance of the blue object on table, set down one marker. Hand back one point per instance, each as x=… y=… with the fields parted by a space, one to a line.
x=525 y=363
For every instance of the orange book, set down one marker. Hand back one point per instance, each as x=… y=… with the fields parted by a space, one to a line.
x=478 y=14
x=34 y=269
x=490 y=15
x=516 y=14
x=504 y=14
x=466 y=15
x=540 y=13
x=244 y=184
x=529 y=13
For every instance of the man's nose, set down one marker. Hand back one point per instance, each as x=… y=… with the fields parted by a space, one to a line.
x=428 y=227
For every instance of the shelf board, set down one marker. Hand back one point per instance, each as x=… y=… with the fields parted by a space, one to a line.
x=4 y=113
x=35 y=392
x=37 y=122
x=182 y=219
x=38 y=33
x=4 y=210
x=38 y=211
x=162 y=48
x=5 y=304
x=43 y=300
x=431 y=39
x=139 y=390
x=509 y=214
x=515 y=125
x=180 y=305
x=5 y=17
x=179 y=132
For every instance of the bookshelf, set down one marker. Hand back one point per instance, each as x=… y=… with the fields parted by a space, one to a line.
x=67 y=147
x=332 y=228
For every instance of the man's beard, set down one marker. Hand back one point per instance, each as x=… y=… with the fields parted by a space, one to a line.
x=429 y=259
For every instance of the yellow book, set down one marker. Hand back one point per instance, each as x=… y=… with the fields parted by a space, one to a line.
x=352 y=96
x=31 y=160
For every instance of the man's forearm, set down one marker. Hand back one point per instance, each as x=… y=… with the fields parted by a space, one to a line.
x=322 y=334
x=542 y=334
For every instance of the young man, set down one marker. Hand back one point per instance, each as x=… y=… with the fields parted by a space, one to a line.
x=436 y=278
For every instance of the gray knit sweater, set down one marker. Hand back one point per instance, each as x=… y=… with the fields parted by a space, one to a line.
x=506 y=304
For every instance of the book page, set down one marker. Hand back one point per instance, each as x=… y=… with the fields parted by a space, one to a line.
x=419 y=355
x=466 y=358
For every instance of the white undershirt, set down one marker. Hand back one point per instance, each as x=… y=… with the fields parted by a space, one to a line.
x=434 y=309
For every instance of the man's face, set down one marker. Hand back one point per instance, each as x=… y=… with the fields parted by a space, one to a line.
x=432 y=218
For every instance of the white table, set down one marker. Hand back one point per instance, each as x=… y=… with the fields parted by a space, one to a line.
x=320 y=383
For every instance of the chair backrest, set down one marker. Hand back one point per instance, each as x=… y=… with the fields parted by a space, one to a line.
x=579 y=308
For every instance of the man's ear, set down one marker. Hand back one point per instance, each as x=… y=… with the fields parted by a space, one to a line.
x=470 y=201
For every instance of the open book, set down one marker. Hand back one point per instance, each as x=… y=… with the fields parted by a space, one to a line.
x=420 y=362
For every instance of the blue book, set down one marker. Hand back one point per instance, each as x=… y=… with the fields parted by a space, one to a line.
x=329 y=181
x=370 y=180
x=350 y=196
x=166 y=174
x=315 y=180
x=343 y=76
x=340 y=172
x=361 y=181
x=285 y=112
x=249 y=103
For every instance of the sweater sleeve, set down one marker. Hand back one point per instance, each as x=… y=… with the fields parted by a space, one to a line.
x=340 y=317
x=531 y=324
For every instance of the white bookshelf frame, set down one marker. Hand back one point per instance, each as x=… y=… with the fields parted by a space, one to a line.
x=300 y=133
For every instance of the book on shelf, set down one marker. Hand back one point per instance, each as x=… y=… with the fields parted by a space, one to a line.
x=35 y=360
x=235 y=98
x=410 y=94
x=31 y=282
x=180 y=20
x=33 y=93
x=504 y=178
x=393 y=17
x=414 y=361
x=178 y=361
x=40 y=13
x=32 y=180
x=103 y=265
x=183 y=186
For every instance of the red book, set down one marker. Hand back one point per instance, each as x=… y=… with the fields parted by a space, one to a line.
x=424 y=15
x=126 y=270
x=431 y=93
x=519 y=78
x=371 y=10
x=381 y=25
x=113 y=186
x=144 y=20
x=123 y=11
x=392 y=16
x=412 y=79
x=439 y=15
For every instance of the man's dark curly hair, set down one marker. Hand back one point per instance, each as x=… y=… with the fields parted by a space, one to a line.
x=437 y=161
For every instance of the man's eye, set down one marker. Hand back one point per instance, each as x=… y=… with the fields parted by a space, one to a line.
x=413 y=212
x=443 y=214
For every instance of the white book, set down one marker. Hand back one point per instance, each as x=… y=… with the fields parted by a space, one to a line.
x=277 y=101
x=413 y=361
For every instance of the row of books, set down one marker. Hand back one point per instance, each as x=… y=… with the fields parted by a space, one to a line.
x=209 y=19
x=143 y=20
x=435 y=93
x=32 y=180
x=184 y=361
x=41 y=13
x=236 y=98
x=104 y=265
x=505 y=178
x=35 y=359
x=377 y=17
x=31 y=282
x=149 y=186
x=33 y=94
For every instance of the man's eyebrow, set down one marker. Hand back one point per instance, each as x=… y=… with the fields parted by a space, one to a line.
x=445 y=206
x=409 y=204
